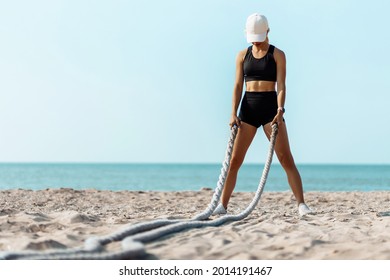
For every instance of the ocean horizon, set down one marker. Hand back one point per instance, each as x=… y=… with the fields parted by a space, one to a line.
x=188 y=176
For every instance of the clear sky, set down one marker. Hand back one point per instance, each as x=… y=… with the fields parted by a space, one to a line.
x=151 y=81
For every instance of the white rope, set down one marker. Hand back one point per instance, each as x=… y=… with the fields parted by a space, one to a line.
x=134 y=236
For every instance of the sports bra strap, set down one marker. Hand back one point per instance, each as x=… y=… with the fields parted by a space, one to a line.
x=249 y=50
x=271 y=49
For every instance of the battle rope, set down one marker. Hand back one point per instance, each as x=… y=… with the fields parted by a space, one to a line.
x=134 y=236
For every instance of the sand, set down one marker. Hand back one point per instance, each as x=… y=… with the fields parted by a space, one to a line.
x=347 y=225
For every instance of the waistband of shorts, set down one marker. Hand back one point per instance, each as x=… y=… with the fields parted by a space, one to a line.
x=271 y=94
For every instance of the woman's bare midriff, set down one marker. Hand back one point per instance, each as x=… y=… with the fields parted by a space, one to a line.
x=260 y=86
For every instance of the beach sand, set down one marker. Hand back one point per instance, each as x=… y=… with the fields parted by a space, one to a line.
x=348 y=225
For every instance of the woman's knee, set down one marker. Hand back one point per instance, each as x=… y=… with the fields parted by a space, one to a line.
x=236 y=162
x=286 y=160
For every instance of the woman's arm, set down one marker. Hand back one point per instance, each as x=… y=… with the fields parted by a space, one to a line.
x=237 y=89
x=280 y=60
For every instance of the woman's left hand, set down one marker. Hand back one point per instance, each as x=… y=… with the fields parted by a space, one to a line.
x=278 y=119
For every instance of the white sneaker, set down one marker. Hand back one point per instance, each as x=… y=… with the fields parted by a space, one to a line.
x=304 y=210
x=220 y=210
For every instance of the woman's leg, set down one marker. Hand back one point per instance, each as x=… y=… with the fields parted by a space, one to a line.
x=244 y=138
x=283 y=152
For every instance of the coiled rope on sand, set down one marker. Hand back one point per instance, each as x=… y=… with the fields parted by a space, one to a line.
x=133 y=237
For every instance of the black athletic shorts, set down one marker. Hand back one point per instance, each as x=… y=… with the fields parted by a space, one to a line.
x=258 y=108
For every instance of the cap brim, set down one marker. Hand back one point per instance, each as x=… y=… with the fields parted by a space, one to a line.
x=251 y=38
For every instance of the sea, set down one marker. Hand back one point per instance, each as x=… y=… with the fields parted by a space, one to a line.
x=183 y=177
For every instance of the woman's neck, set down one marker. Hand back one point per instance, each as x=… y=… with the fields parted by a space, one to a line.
x=261 y=46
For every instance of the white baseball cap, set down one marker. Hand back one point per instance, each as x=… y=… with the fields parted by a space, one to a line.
x=256 y=28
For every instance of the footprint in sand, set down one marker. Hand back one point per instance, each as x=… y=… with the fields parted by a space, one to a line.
x=44 y=245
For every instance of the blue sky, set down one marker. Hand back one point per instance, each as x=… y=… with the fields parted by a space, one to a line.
x=151 y=81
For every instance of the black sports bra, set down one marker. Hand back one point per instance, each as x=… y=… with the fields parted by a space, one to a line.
x=260 y=69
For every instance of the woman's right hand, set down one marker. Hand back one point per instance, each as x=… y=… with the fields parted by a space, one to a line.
x=234 y=120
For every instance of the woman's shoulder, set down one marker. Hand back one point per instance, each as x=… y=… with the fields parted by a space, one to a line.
x=278 y=52
x=241 y=55
x=243 y=52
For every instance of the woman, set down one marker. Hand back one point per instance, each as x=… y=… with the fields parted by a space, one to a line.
x=262 y=67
